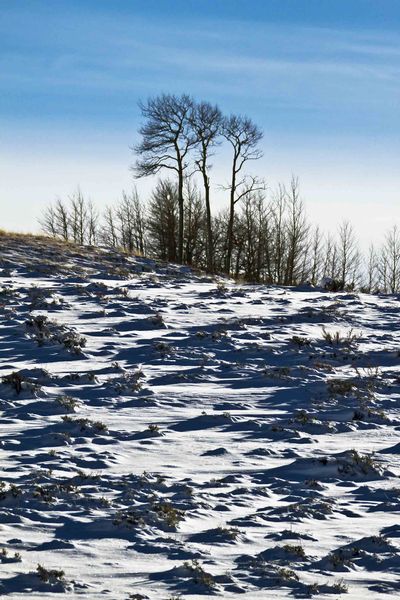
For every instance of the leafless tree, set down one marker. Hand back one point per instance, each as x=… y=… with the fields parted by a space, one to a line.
x=48 y=222
x=206 y=121
x=162 y=221
x=194 y=225
x=296 y=233
x=78 y=217
x=129 y=217
x=372 y=270
x=253 y=221
x=243 y=136
x=220 y=221
x=92 y=224
x=55 y=221
x=316 y=258
x=348 y=255
x=108 y=231
x=330 y=268
x=389 y=264
x=278 y=238
x=167 y=138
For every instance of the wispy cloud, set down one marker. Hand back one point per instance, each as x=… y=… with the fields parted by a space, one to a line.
x=71 y=78
x=299 y=63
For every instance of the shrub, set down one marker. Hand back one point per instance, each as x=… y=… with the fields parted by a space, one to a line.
x=14 y=380
x=85 y=424
x=297 y=550
x=157 y=320
x=50 y=575
x=340 y=387
x=168 y=513
x=229 y=532
x=300 y=341
x=287 y=574
x=6 y=557
x=199 y=575
x=337 y=338
x=340 y=587
x=43 y=330
x=67 y=402
x=333 y=285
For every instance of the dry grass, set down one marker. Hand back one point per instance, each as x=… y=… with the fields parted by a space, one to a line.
x=40 y=237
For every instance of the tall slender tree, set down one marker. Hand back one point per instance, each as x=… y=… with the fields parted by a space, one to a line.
x=129 y=217
x=348 y=255
x=167 y=138
x=296 y=232
x=243 y=136
x=206 y=122
x=389 y=264
x=162 y=220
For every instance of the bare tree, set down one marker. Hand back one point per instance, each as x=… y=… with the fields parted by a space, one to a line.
x=253 y=219
x=243 y=136
x=372 y=270
x=108 y=231
x=220 y=221
x=167 y=138
x=348 y=255
x=48 y=222
x=206 y=121
x=296 y=232
x=130 y=222
x=162 y=221
x=93 y=224
x=78 y=217
x=389 y=264
x=194 y=225
x=316 y=243
x=278 y=249
x=330 y=268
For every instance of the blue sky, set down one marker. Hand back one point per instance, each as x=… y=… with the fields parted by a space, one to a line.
x=320 y=76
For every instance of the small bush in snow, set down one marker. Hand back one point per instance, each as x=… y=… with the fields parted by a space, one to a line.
x=287 y=574
x=85 y=424
x=300 y=341
x=337 y=338
x=14 y=380
x=67 y=402
x=50 y=575
x=340 y=387
x=43 y=330
x=157 y=320
x=6 y=557
x=168 y=513
x=340 y=587
x=231 y=533
x=199 y=575
x=20 y=382
x=297 y=550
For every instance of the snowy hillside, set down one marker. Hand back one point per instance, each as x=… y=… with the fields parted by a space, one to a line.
x=165 y=435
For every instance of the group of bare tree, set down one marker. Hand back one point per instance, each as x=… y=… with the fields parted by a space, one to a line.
x=262 y=236
x=76 y=220
x=180 y=135
x=272 y=239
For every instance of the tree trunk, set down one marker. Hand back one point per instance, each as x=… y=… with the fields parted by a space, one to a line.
x=181 y=213
x=228 y=259
x=209 y=245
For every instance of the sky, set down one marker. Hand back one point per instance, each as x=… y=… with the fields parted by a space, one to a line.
x=321 y=78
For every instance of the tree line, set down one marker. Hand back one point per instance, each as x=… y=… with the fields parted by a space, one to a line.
x=263 y=235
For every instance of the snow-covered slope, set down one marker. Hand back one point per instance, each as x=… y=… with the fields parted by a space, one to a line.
x=164 y=435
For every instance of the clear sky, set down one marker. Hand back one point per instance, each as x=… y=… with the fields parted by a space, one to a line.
x=322 y=77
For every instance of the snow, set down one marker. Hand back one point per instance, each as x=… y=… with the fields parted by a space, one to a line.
x=165 y=434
